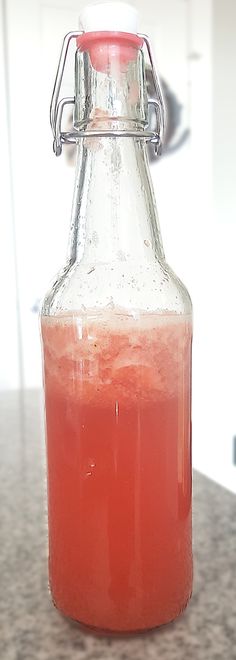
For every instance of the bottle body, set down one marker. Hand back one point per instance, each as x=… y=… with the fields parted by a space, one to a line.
x=117 y=331
x=119 y=478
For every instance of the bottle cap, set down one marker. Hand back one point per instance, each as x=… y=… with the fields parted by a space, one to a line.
x=109 y=16
x=110 y=35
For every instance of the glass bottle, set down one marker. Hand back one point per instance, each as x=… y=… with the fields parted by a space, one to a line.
x=116 y=329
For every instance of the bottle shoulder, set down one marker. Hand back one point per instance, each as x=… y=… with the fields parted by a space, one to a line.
x=147 y=287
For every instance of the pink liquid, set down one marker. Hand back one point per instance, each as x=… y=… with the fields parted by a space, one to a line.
x=119 y=468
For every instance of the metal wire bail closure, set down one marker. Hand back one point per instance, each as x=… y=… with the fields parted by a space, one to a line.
x=57 y=107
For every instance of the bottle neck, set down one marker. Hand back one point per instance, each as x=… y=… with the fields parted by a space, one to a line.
x=110 y=83
x=114 y=213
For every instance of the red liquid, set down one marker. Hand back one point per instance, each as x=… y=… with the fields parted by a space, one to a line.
x=119 y=468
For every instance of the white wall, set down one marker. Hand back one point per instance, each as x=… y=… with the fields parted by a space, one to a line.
x=195 y=48
x=223 y=118
x=9 y=326
x=213 y=251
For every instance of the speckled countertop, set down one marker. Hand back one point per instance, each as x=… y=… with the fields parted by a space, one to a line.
x=32 y=629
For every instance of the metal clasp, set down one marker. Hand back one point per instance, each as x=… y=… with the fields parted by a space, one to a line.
x=57 y=107
x=157 y=103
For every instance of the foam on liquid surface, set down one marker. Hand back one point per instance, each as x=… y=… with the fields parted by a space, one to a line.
x=109 y=355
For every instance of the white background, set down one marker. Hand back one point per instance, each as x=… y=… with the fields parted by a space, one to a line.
x=195 y=47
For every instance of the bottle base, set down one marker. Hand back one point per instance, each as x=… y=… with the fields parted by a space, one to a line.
x=120 y=632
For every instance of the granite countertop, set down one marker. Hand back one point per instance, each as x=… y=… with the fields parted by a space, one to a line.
x=32 y=629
